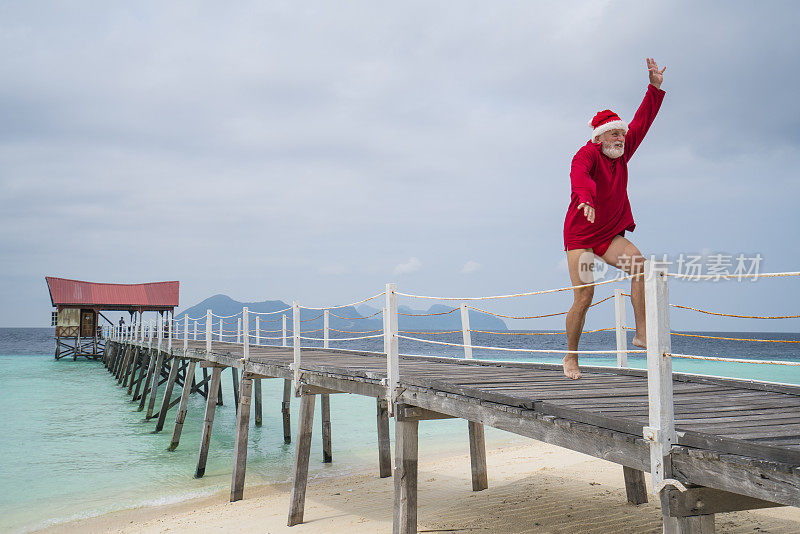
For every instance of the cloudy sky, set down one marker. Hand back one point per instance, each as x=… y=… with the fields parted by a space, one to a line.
x=317 y=150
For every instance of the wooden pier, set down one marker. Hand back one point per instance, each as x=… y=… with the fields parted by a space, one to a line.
x=713 y=445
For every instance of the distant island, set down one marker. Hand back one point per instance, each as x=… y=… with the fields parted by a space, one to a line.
x=350 y=319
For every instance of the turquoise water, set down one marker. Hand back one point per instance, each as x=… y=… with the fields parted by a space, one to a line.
x=73 y=444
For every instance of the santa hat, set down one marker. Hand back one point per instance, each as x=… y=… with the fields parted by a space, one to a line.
x=606 y=120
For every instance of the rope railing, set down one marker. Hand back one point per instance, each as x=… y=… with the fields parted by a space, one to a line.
x=534 y=316
x=339 y=338
x=737 y=338
x=738 y=276
x=541 y=333
x=345 y=305
x=357 y=331
x=312 y=319
x=271 y=312
x=427 y=314
x=733 y=360
x=527 y=294
x=514 y=349
x=429 y=332
x=357 y=318
x=224 y=316
x=734 y=315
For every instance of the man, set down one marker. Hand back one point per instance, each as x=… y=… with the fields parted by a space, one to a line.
x=599 y=212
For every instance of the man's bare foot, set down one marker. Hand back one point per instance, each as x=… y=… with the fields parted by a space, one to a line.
x=636 y=342
x=571 y=369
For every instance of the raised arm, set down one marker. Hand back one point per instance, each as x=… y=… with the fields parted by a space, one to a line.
x=582 y=183
x=648 y=109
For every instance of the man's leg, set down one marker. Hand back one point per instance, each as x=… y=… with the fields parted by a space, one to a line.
x=580 y=262
x=624 y=255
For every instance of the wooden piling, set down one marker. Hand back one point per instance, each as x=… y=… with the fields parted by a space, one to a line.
x=188 y=383
x=405 y=476
x=325 y=409
x=208 y=421
x=143 y=366
x=305 y=426
x=635 y=487
x=148 y=380
x=173 y=376
x=154 y=387
x=235 y=378
x=259 y=413
x=384 y=445
x=285 y=411
x=137 y=362
x=477 y=456
x=240 y=447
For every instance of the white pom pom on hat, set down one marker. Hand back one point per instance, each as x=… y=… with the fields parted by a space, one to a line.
x=606 y=120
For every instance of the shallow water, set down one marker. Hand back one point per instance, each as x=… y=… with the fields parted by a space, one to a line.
x=73 y=444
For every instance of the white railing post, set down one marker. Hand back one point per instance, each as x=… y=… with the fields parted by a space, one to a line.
x=239 y=330
x=258 y=330
x=194 y=332
x=296 y=344
x=221 y=322
x=393 y=347
x=283 y=331
x=619 y=319
x=150 y=324
x=160 y=331
x=661 y=432
x=185 y=333
x=209 y=332
x=466 y=334
x=245 y=333
x=171 y=332
x=325 y=329
x=384 y=316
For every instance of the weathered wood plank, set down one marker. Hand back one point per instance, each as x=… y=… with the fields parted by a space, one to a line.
x=477 y=456
x=240 y=447
x=384 y=446
x=305 y=425
x=635 y=487
x=325 y=409
x=182 y=407
x=208 y=422
x=405 y=477
x=285 y=411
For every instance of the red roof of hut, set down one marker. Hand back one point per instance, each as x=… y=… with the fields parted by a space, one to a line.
x=152 y=296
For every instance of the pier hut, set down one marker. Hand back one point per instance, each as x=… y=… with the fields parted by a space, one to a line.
x=80 y=306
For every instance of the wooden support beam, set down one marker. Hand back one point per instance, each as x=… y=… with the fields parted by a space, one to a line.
x=173 y=376
x=407 y=412
x=384 y=445
x=698 y=524
x=182 y=407
x=143 y=366
x=235 y=377
x=137 y=361
x=257 y=395
x=305 y=427
x=325 y=409
x=477 y=456
x=154 y=386
x=240 y=447
x=148 y=380
x=285 y=411
x=208 y=422
x=635 y=487
x=705 y=501
x=123 y=375
x=405 y=476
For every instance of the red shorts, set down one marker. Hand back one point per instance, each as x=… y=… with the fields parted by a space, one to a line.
x=602 y=248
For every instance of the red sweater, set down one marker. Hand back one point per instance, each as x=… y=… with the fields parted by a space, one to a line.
x=602 y=183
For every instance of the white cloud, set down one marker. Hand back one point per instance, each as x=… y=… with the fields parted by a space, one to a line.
x=412 y=265
x=470 y=267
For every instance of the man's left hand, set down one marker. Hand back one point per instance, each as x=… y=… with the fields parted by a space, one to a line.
x=656 y=76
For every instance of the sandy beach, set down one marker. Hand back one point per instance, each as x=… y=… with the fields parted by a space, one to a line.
x=533 y=487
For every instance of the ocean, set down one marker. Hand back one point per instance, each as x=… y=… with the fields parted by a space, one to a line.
x=73 y=444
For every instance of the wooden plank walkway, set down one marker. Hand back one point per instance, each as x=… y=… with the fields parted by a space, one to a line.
x=737 y=439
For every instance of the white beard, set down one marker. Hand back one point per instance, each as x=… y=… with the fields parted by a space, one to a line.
x=612 y=151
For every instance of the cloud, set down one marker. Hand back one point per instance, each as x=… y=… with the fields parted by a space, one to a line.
x=412 y=265
x=470 y=267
